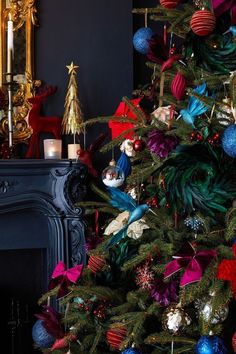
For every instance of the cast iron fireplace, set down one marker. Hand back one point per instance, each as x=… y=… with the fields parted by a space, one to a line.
x=39 y=226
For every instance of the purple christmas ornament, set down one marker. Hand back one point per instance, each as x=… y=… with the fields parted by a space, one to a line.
x=165 y=293
x=161 y=144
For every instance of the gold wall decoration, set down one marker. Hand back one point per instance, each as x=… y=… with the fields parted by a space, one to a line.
x=24 y=16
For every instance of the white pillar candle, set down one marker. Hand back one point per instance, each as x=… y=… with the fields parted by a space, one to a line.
x=9 y=44
x=73 y=151
x=52 y=148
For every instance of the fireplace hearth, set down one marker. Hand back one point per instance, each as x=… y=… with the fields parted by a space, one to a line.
x=39 y=226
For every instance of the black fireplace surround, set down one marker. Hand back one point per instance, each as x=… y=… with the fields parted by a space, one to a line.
x=39 y=226
x=37 y=208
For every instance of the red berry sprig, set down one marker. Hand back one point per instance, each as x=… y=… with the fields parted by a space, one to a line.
x=152 y=202
x=215 y=139
x=196 y=136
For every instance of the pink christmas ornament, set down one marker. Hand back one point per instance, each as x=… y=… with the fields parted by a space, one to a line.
x=178 y=86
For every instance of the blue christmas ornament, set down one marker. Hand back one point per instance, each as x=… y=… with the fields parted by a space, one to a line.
x=194 y=223
x=210 y=345
x=229 y=140
x=131 y=351
x=40 y=335
x=140 y=39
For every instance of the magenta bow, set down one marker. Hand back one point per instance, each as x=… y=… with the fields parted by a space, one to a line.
x=221 y=6
x=194 y=264
x=64 y=278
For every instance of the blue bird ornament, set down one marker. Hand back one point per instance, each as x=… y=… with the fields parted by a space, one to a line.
x=123 y=202
x=195 y=106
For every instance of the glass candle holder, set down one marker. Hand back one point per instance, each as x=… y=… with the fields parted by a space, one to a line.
x=73 y=151
x=52 y=148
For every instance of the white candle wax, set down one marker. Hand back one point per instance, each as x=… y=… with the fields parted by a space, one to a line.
x=9 y=44
x=73 y=151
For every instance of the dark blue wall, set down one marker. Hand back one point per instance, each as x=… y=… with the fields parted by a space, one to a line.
x=97 y=36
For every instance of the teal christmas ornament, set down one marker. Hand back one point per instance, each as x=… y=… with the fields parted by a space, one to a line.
x=229 y=140
x=195 y=106
x=210 y=345
x=131 y=351
x=140 y=39
x=40 y=335
x=124 y=201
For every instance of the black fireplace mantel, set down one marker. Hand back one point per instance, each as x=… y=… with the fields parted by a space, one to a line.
x=50 y=188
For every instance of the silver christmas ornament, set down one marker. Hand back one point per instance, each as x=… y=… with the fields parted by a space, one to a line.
x=224 y=115
x=205 y=311
x=175 y=319
x=113 y=176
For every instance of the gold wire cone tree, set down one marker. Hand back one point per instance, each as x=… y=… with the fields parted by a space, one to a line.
x=73 y=116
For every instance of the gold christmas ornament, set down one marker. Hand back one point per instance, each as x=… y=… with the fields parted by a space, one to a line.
x=73 y=116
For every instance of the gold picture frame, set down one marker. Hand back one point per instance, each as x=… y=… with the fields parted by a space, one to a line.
x=23 y=14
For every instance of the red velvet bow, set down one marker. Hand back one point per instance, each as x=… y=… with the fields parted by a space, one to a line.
x=194 y=264
x=64 y=278
x=117 y=127
x=221 y=6
x=227 y=271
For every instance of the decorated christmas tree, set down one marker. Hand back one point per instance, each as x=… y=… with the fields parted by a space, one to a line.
x=161 y=270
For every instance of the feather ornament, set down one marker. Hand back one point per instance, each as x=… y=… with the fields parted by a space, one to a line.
x=124 y=201
x=195 y=106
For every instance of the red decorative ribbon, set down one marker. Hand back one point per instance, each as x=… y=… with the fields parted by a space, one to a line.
x=194 y=263
x=227 y=271
x=64 y=278
x=117 y=127
x=221 y=6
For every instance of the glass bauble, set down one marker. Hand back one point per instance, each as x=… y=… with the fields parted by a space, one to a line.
x=205 y=311
x=40 y=335
x=175 y=319
x=113 y=176
x=140 y=39
x=229 y=140
x=224 y=116
x=210 y=345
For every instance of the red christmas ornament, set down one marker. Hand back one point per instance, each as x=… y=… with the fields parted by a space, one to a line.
x=115 y=336
x=234 y=342
x=203 y=22
x=138 y=145
x=178 y=86
x=169 y=4
x=96 y=263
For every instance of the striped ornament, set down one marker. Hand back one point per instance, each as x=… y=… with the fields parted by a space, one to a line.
x=169 y=4
x=96 y=263
x=178 y=86
x=115 y=336
x=203 y=22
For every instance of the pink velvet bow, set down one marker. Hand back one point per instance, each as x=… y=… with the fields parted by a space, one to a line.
x=221 y=6
x=194 y=264
x=64 y=278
